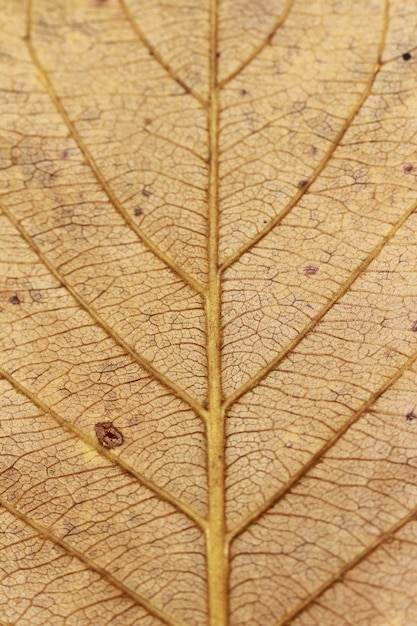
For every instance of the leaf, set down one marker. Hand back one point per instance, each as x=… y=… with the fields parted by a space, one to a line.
x=208 y=313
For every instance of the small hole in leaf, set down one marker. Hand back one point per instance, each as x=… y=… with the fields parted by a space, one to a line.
x=108 y=435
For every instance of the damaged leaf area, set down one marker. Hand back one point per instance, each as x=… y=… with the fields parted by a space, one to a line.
x=208 y=305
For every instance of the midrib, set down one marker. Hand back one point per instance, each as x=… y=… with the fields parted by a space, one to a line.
x=216 y=545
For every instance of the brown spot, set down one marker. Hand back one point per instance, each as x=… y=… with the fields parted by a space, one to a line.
x=407 y=167
x=99 y=2
x=407 y=56
x=138 y=211
x=313 y=149
x=302 y=183
x=410 y=417
x=205 y=405
x=414 y=327
x=146 y=192
x=218 y=55
x=14 y=299
x=243 y=92
x=147 y=121
x=310 y=270
x=108 y=435
x=64 y=154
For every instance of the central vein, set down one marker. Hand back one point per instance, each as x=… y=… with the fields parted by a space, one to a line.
x=217 y=553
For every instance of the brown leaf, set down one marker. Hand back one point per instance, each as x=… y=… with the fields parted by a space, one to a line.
x=208 y=313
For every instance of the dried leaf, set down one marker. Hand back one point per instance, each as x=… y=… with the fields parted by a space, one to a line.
x=208 y=312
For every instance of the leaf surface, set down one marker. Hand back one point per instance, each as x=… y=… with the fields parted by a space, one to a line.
x=208 y=313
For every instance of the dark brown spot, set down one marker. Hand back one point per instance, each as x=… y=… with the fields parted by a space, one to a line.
x=414 y=327
x=310 y=270
x=151 y=53
x=243 y=92
x=138 y=211
x=146 y=192
x=205 y=405
x=302 y=183
x=410 y=417
x=407 y=56
x=108 y=435
x=407 y=167
x=147 y=121
x=14 y=299
x=218 y=55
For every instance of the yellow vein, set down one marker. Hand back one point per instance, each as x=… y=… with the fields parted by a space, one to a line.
x=279 y=22
x=147 y=241
x=366 y=406
x=107 y=454
x=173 y=387
x=343 y=289
x=175 y=144
x=101 y=571
x=216 y=546
x=278 y=219
x=158 y=57
x=289 y=617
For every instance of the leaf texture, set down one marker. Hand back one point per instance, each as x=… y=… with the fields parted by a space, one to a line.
x=208 y=226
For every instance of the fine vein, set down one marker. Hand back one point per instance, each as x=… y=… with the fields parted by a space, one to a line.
x=337 y=141
x=289 y=617
x=366 y=406
x=107 y=454
x=103 y=573
x=158 y=57
x=179 y=271
x=257 y=51
x=172 y=386
x=343 y=289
